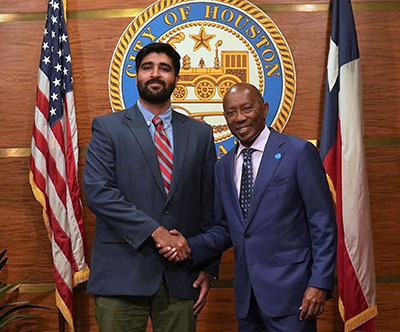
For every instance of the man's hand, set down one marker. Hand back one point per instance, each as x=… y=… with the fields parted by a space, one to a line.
x=171 y=253
x=171 y=242
x=204 y=280
x=313 y=303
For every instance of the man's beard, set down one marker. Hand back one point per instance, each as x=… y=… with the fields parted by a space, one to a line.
x=157 y=96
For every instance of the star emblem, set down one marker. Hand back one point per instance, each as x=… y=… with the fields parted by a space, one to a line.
x=63 y=38
x=202 y=40
x=56 y=82
x=46 y=60
x=54 y=96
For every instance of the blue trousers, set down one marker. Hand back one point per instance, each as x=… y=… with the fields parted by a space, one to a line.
x=257 y=321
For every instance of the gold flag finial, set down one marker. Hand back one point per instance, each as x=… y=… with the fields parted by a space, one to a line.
x=65 y=10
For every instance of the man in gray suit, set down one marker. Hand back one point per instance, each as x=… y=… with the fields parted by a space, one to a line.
x=148 y=170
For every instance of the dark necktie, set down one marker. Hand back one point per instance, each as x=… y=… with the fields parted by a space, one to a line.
x=164 y=153
x=246 y=183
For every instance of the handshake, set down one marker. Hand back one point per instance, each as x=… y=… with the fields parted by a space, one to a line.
x=171 y=244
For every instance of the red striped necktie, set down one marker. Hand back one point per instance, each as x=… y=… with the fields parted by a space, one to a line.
x=164 y=153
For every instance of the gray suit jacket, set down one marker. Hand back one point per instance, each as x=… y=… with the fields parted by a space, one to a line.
x=124 y=189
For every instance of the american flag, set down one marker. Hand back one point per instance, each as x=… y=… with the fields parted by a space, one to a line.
x=342 y=151
x=54 y=161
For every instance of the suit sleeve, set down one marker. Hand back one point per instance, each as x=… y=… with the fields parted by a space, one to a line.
x=103 y=196
x=211 y=244
x=207 y=199
x=207 y=184
x=320 y=213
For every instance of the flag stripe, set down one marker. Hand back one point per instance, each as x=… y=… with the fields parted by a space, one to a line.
x=71 y=169
x=74 y=204
x=42 y=103
x=59 y=233
x=342 y=151
x=64 y=290
x=38 y=176
x=58 y=134
x=51 y=167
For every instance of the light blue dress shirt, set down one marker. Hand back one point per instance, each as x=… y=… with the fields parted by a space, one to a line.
x=166 y=118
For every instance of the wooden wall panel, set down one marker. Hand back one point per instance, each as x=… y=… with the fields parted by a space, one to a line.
x=44 y=320
x=384 y=184
x=20 y=52
x=388 y=299
x=309 y=60
x=226 y=271
x=379 y=42
x=11 y=6
x=92 y=44
x=92 y=47
x=219 y=313
x=22 y=228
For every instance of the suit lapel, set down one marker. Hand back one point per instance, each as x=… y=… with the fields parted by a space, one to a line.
x=138 y=126
x=181 y=138
x=272 y=157
x=230 y=183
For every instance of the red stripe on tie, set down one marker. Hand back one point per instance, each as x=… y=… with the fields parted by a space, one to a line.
x=163 y=149
x=161 y=155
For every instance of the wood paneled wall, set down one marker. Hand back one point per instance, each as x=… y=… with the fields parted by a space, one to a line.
x=92 y=44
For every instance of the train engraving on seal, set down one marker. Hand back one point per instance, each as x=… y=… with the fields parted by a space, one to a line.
x=221 y=43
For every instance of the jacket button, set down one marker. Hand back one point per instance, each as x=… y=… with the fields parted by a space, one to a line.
x=247 y=236
x=165 y=212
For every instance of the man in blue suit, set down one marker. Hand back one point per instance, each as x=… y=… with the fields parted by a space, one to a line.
x=273 y=205
x=148 y=170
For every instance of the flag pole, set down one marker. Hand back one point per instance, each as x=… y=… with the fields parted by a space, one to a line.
x=61 y=318
x=61 y=321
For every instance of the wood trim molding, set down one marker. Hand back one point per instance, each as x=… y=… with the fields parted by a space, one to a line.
x=49 y=287
x=369 y=143
x=133 y=12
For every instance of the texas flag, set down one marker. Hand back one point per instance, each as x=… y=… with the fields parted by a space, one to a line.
x=342 y=152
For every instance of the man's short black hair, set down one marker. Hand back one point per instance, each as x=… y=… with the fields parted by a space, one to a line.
x=159 y=48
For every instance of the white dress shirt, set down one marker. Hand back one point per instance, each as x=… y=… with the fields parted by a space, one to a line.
x=258 y=146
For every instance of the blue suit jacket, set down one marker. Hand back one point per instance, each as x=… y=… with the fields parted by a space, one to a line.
x=124 y=189
x=289 y=240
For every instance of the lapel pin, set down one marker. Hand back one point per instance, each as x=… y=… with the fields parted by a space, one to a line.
x=278 y=156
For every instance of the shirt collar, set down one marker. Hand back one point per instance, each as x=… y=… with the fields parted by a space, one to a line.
x=258 y=144
x=166 y=117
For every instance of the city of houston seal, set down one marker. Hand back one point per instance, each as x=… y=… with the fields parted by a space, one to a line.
x=221 y=43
